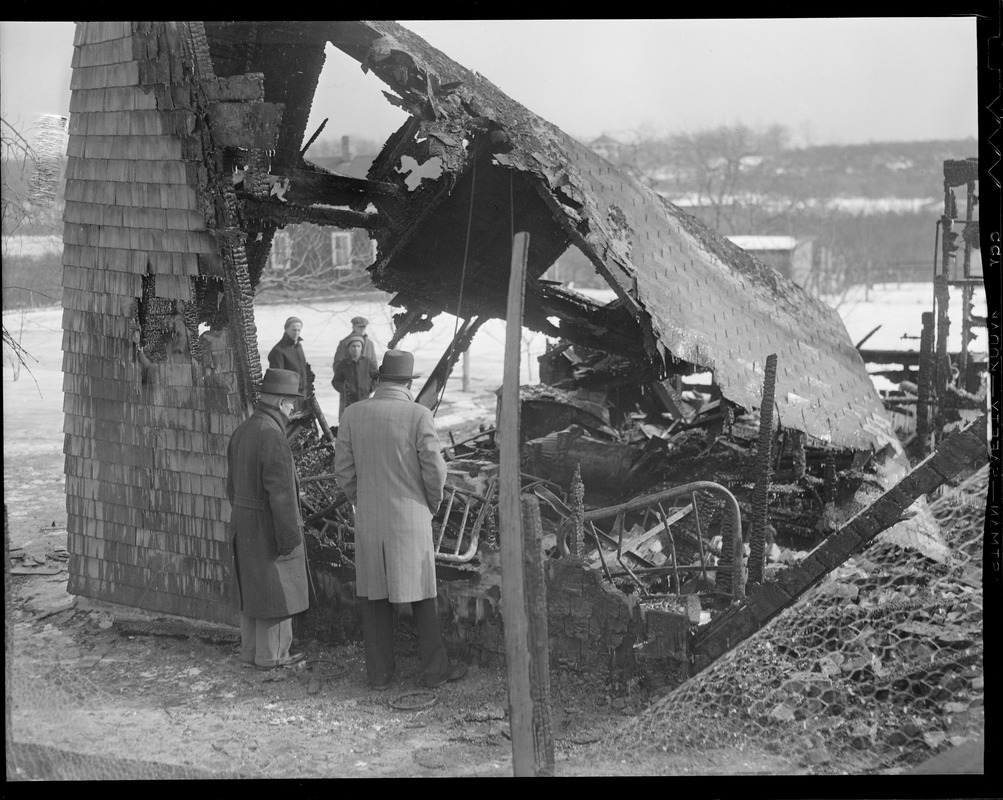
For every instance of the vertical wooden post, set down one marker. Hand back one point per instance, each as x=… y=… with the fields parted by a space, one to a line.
x=764 y=462
x=925 y=385
x=526 y=665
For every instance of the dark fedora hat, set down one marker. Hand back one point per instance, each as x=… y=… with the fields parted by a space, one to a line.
x=281 y=381
x=398 y=364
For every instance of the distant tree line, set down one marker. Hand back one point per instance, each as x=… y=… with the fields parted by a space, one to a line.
x=738 y=180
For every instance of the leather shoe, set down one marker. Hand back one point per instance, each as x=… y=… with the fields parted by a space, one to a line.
x=457 y=669
x=379 y=686
x=289 y=661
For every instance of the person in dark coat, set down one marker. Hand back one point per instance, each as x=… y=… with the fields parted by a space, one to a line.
x=389 y=463
x=266 y=528
x=355 y=376
x=288 y=354
x=359 y=325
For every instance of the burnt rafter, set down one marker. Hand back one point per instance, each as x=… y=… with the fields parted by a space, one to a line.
x=311 y=186
x=268 y=212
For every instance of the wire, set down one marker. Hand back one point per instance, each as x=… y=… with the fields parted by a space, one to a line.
x=463 y=275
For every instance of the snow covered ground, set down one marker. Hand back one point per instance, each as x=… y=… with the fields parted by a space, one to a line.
x=897 y=308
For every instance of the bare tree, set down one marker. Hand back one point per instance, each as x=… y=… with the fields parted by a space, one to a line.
x=19 y=159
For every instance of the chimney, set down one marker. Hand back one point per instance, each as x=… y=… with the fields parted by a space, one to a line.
x=346 y=149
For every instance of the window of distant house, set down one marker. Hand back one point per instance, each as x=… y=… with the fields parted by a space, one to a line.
x=341 y=250
x=281 y=255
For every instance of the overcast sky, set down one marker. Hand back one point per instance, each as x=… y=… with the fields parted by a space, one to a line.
x=827 y=80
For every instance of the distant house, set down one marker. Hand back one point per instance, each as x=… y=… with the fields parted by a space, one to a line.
x=608 y=147
x=313 y=257
x=799 y=259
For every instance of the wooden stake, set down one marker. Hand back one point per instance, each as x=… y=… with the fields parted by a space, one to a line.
x=525 y=648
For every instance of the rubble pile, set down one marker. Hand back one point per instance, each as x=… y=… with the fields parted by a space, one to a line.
x=606 y=425
x=327 y=515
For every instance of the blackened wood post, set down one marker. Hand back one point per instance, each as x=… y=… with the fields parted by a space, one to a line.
x=764 y=461
x=535 y=590
x=577 y=495
x=924 y=384
x=526 y=666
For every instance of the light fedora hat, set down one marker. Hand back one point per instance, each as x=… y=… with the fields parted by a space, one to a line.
x=281 y=381
x=398 y=364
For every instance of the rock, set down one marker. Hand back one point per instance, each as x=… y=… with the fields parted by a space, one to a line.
x=897 y=738
x=47 y=608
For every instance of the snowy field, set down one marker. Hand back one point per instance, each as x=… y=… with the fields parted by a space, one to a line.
x=36 y=396
x=897 y=308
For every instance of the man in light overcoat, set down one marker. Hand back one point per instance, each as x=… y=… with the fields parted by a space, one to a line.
x=389 y=463
x=266 y=527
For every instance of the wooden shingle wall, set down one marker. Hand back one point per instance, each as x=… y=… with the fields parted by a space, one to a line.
x=145 y=446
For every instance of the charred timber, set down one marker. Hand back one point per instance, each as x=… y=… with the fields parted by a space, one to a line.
x=279 y=215
x=309 y=186
x=594 y=327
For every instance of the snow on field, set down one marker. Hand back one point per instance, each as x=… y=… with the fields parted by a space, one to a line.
x=32 y=246
x=325 y=323
x=35 y=400
x=897 y=308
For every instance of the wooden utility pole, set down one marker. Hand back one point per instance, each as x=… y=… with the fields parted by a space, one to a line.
x=524 y=605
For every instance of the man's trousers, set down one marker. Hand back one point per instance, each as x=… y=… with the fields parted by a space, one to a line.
x=378 y=640
x=265 y=642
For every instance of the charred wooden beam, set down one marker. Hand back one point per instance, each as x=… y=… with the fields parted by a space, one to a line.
x=307 y=187
x=431 y=392
x=253 y=126
x=247 y=88
x=278 y=214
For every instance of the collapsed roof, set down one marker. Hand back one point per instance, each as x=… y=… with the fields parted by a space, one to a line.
x=472 y=166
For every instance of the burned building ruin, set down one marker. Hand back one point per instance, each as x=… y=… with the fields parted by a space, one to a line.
x=189 y=149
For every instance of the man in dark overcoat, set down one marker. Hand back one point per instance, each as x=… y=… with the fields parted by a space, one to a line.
x=266 y=528
x=288 y=354
x=389 y=463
